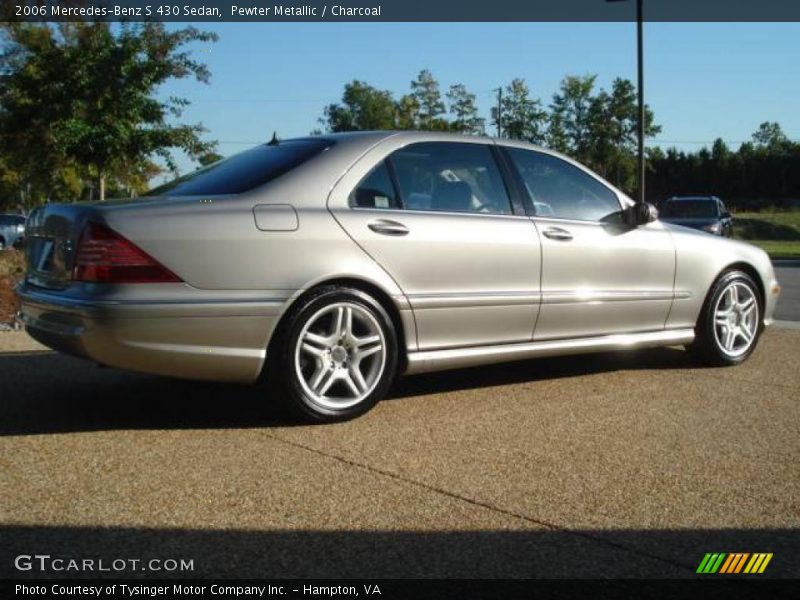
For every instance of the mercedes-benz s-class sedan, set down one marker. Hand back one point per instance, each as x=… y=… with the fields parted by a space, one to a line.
x=323 y=267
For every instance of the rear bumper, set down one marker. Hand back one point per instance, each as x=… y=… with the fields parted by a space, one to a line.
x=208 y=340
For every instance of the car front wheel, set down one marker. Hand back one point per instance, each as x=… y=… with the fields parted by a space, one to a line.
x=338 y=356
x=730 y=323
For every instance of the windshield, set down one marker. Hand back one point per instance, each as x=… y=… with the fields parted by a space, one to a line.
x=244 y=171
x=690 y=209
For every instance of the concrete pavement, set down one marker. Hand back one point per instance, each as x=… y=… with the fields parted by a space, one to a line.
x=602 y=465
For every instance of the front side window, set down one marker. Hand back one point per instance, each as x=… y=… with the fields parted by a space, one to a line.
x=451 y=177
x=559 y=189
x=244 y=171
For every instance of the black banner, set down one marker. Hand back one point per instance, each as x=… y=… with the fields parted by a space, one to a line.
x=399 y=10
x=398 y=589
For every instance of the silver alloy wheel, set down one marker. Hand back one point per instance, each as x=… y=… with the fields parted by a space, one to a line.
x=340 y=355
x=736 y=319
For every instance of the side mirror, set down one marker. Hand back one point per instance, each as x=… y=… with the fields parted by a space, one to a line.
x=726 y=215
x=640 y=213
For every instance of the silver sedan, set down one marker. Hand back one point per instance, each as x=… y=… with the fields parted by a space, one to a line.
x=323 y=267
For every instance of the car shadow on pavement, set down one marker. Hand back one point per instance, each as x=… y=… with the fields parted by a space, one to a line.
x=46 y=392
x=548 y=552
x=542 y=369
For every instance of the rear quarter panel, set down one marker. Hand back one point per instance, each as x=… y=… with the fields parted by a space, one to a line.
x=216 y=247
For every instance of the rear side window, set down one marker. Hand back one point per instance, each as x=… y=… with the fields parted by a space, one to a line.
x=452 y=177
x=436 y=176
x=376 y=190
x=559 y=189
x=244 y=171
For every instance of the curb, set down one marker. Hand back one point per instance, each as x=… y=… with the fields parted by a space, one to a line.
x=792 y=325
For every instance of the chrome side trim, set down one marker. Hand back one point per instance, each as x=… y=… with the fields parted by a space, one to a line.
x=570 y=297
x=455 y=358
x=504 y=298
x=472 y=299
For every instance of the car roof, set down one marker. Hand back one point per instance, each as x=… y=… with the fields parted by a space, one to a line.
x=415 y=135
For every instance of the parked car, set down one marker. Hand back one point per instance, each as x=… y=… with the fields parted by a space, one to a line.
x=302 y=265
x=707 y=213
x=12 y=231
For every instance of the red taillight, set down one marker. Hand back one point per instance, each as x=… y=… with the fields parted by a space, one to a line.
x=104 y=256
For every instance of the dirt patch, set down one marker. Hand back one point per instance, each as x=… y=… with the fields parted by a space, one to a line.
x=12 y=268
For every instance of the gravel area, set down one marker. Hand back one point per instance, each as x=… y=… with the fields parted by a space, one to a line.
x=634 y=464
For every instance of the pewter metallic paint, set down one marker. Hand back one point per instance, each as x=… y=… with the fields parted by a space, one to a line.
x=466 y=288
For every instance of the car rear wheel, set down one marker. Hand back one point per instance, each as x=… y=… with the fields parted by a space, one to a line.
x=730 y=323
x=338 y=355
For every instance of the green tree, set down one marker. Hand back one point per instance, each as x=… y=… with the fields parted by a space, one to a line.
x=465 y=111
x=362 y=108
x=31 y=101
x=770 y=137
x=407 y=112
x=763 y=172
x=87 y=91
x=556 y=135
x=571 y=114
x=522 y=117
x=613 y=123
x=425 y=90
x=209 y=158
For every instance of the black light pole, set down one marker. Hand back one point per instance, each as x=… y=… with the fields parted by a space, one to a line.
x=499 y=115
x=640 y=90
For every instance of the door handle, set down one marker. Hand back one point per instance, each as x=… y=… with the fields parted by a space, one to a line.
x=388 y=227
x=556 y=233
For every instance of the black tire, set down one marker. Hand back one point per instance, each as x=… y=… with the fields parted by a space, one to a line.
x=284 y=370
x=707 y=348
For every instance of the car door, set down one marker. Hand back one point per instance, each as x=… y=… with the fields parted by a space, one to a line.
x=599 y=276
x=438 y=217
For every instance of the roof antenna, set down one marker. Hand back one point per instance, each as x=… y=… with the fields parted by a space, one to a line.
x=274 y=140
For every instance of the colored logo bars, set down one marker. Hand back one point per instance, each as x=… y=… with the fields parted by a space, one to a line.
x=735 y=562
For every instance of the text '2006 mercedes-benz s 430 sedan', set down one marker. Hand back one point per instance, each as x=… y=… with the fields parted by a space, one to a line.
x=323 y=267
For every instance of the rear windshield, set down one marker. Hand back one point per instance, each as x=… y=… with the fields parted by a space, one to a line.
x=244 y=171
x=690 y=209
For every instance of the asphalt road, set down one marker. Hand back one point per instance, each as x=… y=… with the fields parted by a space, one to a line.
x=596 y=466
x=788 y=274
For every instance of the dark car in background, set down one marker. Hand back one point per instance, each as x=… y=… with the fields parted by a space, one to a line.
x=12 y=231
x=707 y=213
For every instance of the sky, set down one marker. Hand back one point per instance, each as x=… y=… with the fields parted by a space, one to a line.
x=702 y=80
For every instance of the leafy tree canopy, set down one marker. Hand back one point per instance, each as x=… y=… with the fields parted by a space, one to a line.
x=83 y=97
